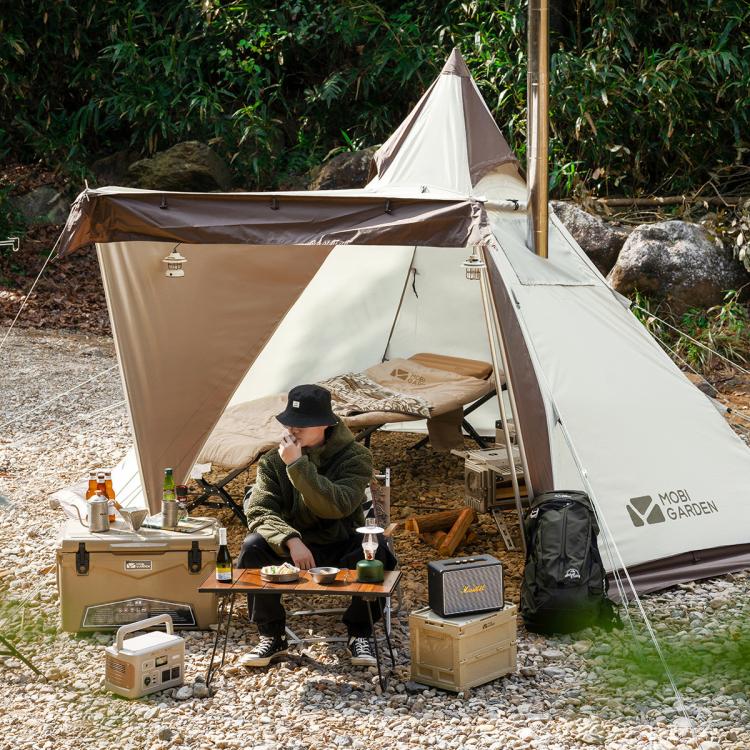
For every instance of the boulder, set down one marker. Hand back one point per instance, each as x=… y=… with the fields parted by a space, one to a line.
x=44 y=205
x=676 y=262
x=189 y=167
x=112 y=169
x=346 y=170
x=600 y=240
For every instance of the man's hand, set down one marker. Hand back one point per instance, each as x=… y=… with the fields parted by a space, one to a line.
x=289 y=449
x=301 y=556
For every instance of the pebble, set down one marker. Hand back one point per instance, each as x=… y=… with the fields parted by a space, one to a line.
x=184 y=693
x=200 y=690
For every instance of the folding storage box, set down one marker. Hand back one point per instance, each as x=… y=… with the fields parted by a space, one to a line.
x=456 y=653
x=113 y=578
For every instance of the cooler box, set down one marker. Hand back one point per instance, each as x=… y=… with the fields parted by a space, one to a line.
x=462 y=652
x=113 y=578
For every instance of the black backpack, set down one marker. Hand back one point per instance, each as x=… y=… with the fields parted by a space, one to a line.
x=564 y=584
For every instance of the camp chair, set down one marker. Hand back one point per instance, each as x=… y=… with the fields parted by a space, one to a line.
x=248 y=430
x=378 y=506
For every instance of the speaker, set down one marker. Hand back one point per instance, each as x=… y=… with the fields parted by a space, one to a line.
x=465 y=585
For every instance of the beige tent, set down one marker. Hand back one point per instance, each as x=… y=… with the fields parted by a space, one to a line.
x=289 y=287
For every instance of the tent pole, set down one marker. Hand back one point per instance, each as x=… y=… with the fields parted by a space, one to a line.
x=493 y=324
x=400 y=303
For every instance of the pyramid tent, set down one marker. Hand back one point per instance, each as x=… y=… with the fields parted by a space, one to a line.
x=289 y=287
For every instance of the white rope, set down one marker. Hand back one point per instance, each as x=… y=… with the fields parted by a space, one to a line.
x=609 y=538
x=25 y=300
x=690 y=338
x=59 y=396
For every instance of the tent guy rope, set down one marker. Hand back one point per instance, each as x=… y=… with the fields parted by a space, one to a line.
x=694 y=341
x=25 y=300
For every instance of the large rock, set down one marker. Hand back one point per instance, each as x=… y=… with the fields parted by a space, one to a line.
x=601 y=241
x=190 y=167
x=113 y=169
x=676 y=262
x=345 y=170
x=44 y=205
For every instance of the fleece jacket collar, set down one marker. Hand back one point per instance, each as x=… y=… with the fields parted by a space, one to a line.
x=340 y=438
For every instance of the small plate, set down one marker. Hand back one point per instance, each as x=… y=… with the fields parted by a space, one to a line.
x=279 y=577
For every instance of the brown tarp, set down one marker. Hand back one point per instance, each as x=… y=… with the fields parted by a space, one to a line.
x=314 y=218
x=185 y=344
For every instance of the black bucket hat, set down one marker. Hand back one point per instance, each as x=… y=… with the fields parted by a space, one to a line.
x=308 y=406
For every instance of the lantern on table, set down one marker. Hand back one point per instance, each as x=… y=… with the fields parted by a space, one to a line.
x=370 y=570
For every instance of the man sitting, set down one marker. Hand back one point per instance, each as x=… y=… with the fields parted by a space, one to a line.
x=305 y=505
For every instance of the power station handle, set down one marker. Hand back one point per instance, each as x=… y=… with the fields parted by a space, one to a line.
x=149 y=622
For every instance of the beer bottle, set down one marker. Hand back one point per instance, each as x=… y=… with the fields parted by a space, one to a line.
x=168 y=495
x=101 y=485
x=223 y=559
x=110 y=489
x=91 y=491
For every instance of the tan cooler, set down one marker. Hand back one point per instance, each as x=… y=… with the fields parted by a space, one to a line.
x=113 y=578
x=457 y=653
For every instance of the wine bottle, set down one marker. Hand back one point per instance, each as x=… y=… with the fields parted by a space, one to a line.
x=223 y=559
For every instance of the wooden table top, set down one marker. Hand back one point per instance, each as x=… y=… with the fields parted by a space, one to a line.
x=248 y=581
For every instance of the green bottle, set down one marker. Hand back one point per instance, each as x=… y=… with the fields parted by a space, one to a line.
x=168 y=495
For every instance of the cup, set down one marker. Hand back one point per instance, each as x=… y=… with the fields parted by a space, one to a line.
x=171 y=513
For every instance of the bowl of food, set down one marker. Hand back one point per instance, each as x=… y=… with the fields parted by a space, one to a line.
x=285 y=573
x=324 y=575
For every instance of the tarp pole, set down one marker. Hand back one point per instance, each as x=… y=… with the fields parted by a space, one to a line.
x=493 y=324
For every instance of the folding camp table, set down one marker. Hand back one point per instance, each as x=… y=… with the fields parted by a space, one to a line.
x=248 y=581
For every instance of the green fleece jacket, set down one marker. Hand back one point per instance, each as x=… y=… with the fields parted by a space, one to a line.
x=318 y=497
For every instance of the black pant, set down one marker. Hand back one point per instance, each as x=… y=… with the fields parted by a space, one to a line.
x=266 y=610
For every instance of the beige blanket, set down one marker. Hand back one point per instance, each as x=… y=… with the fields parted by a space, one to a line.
x=247 y=430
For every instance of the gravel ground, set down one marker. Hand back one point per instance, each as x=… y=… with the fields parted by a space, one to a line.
x=596 y=689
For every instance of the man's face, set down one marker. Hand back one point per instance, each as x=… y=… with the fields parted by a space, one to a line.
x=308 y=437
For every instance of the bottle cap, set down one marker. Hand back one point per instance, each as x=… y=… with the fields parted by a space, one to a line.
x=222 y=535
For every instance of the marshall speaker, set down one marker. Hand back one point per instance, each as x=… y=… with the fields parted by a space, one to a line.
x=465 y=585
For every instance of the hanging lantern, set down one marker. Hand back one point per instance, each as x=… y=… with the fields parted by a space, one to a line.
x=174 y=262
x=473 y=267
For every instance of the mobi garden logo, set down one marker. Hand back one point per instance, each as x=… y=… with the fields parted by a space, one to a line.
x=667 y=506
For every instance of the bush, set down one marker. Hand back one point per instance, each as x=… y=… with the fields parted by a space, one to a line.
x=646 y=96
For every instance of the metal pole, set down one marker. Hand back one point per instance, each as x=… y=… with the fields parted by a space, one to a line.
x=491 y=321
x=537 y=126
x=511 y=389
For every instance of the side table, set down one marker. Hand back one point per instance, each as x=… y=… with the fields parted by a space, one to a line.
x=248 y=581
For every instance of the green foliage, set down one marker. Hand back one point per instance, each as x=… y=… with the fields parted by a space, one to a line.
x=644 y=95
x=724 y=329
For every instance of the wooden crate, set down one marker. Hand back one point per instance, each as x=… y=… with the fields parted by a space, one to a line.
x=456 y=653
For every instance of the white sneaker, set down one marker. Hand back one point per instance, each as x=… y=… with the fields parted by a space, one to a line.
x=359 y=650
x=268 y=649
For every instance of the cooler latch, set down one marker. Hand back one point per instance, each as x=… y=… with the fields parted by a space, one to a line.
x=195 y=558
x=82 y=560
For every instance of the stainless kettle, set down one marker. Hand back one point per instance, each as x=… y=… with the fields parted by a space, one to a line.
x=98 y=513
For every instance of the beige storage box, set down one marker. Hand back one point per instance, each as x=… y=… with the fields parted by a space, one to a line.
x=113 y=578
x=456 y=653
